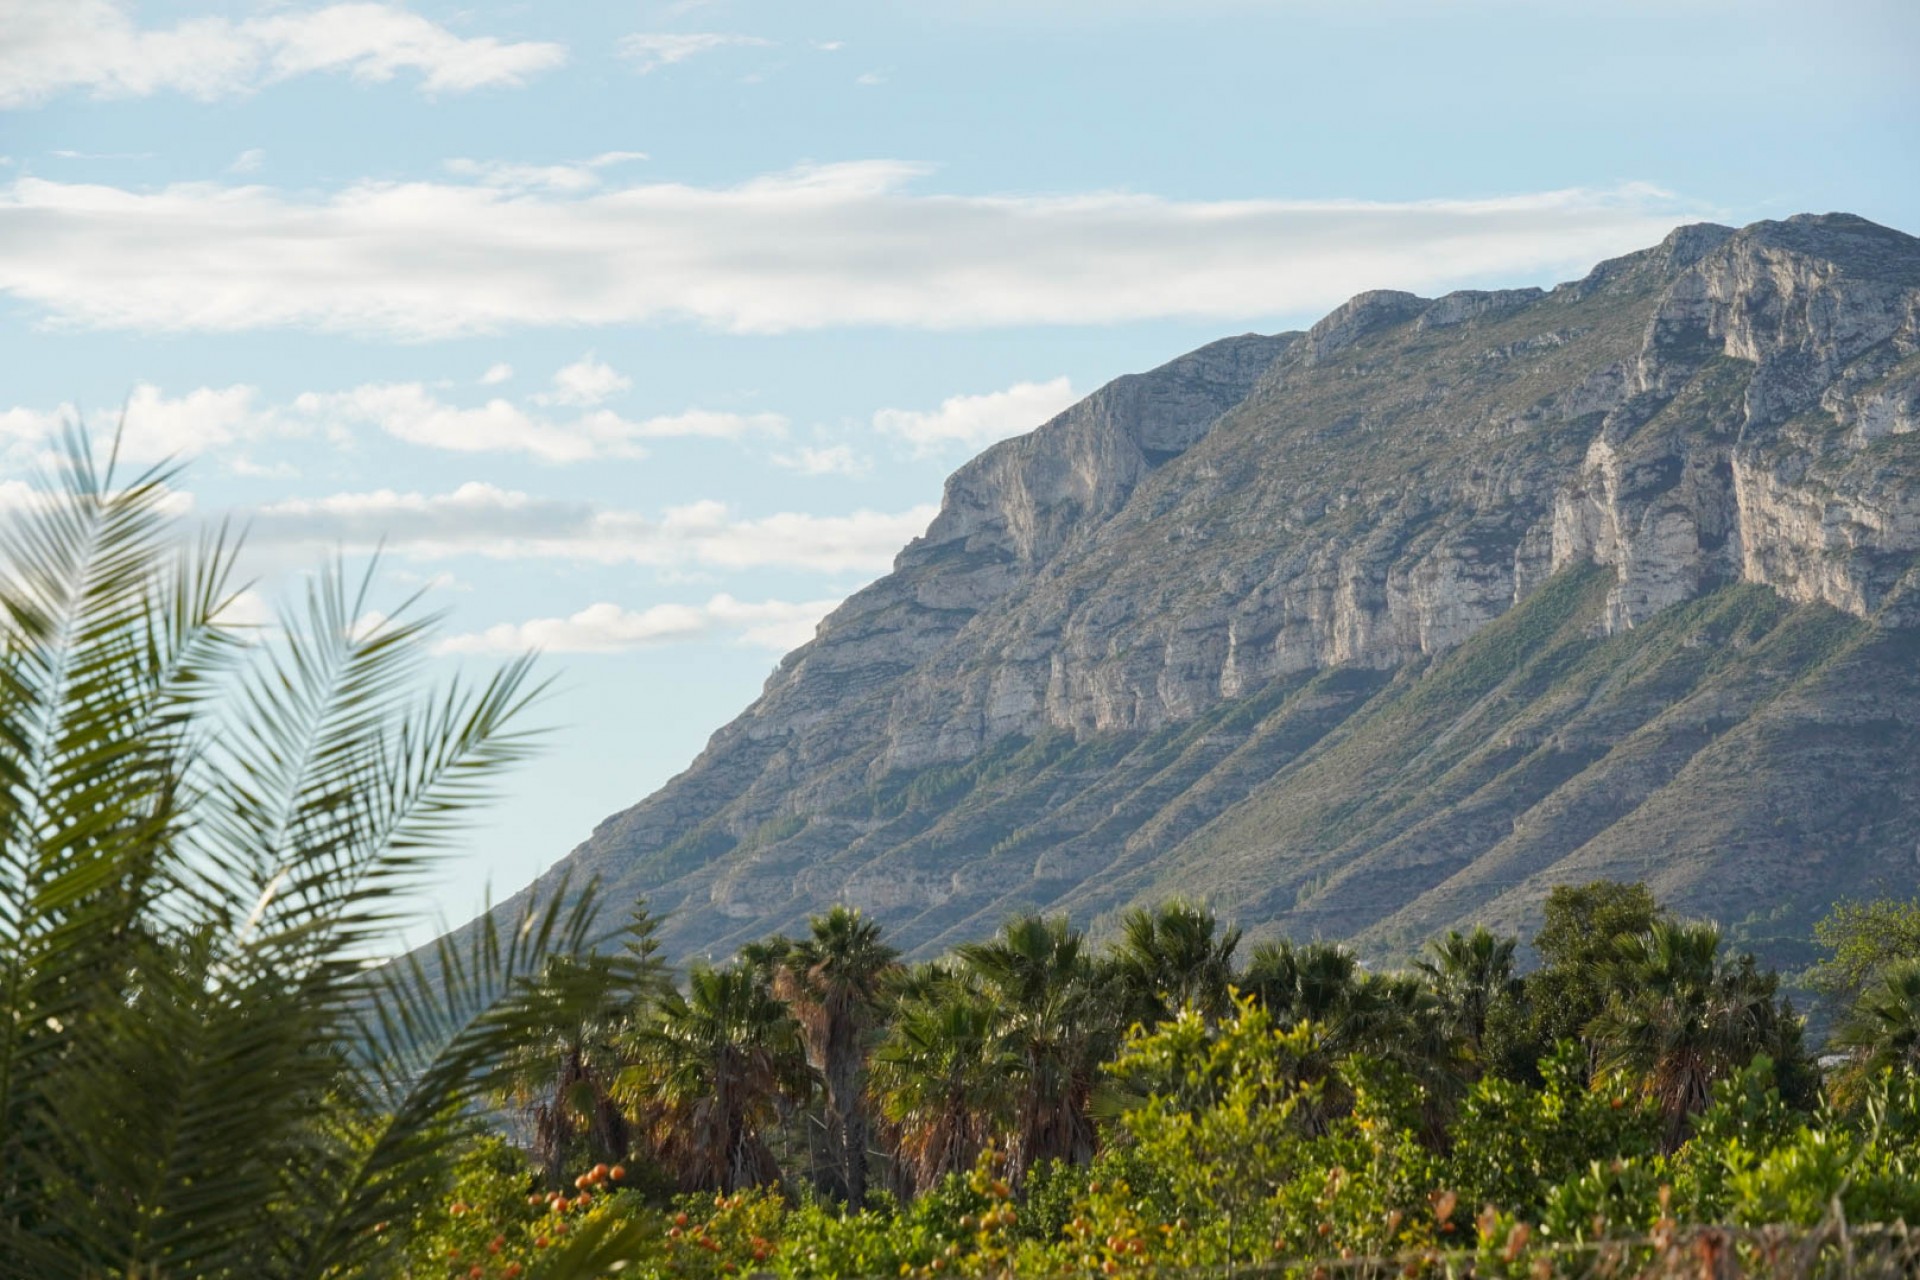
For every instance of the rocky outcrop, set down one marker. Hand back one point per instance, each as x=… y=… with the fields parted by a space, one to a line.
x=1309 y=516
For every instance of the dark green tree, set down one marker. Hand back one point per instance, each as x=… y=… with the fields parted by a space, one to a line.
x=834 y=981
x=1172 y=957
x=1472 y=975
x=1864 y=940
x=1579 y=943
x=1678 y=1019
x=710 y=1070
x=1059 y=1017
x=945 y=1077
x=564 y=1077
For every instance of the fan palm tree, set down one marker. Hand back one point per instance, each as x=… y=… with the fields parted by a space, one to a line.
x=1882 y=1032
x=203 y=833
x=564 y=1077
x=1678 y=1019
x=1470 y=973
x=1311 y=982
x=833 y=981
x=1175 y=957
x=943 y=1078
x=1060 y=1021
x=711 y=1069
x=1387 y=1016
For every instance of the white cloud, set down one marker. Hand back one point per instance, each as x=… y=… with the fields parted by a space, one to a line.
x=977 y=421
x=62 y=153
x=843 y=244
x=829 y=46
x=95 y=45
x=158 y=425
x=248 y=161
x=496 y=374
x=649 y=51
x=576 y=175
x=240 y=465
x=828 y=460
x=607 y=628
x=247 y=608
x=587 y=381
x=478 y=519
x=869 y=79
x=154 y=425
x=409 y=411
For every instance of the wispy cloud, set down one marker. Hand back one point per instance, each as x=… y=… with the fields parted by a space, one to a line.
x=248 y=161
x=485 y=520
x=158 y=425
x=63 y=153
x=575 y=175
x=825 y=460
x=587 y=381
x=496 y=374
x=855 y=247
x=412 y=412
x=96 y=47
x=649 y=51
x=608 y=628
x=975 y=421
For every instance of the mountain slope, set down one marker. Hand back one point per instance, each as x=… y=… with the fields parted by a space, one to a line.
x=1378 y=628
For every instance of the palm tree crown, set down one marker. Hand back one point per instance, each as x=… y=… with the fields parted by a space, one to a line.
x=834 y=981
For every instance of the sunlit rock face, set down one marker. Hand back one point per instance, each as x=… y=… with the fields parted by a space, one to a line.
x=1136 y=625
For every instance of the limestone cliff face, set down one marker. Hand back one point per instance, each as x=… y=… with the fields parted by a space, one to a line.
x=1823 y=317
x=1270 y=514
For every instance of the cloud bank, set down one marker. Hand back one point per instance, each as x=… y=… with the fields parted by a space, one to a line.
x=94 y=46
x=607 y=628
x=837 y=245
x=156 y=425
x=478 y=519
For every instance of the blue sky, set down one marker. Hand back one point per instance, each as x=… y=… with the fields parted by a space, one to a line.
x=642 y=333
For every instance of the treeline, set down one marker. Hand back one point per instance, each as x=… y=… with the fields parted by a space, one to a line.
x=825 y=1059
x=1032 y=1101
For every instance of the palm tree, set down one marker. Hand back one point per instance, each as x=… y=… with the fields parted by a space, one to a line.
x=1679 y=1020
x=711 y=1069
x=1312 y=982
x=203 y=833
x=943 y=1078
x=564 y=1078
x=1470 y=974
x=1387 y=1016
x=1882 y=1033
x=1060 y=1022
x=833 y=981
x=1175 y=957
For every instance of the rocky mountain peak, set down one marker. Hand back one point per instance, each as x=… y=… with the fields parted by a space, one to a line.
x=1349 y=630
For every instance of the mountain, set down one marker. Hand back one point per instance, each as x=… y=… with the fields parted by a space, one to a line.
x=1378 y=629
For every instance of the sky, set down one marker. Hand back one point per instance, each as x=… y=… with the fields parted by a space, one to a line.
x=641 y=334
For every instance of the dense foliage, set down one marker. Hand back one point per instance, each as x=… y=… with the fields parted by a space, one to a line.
x=203 y=830
x=1640 y=1102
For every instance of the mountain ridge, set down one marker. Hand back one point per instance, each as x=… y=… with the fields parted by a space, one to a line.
x=1138 y=638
